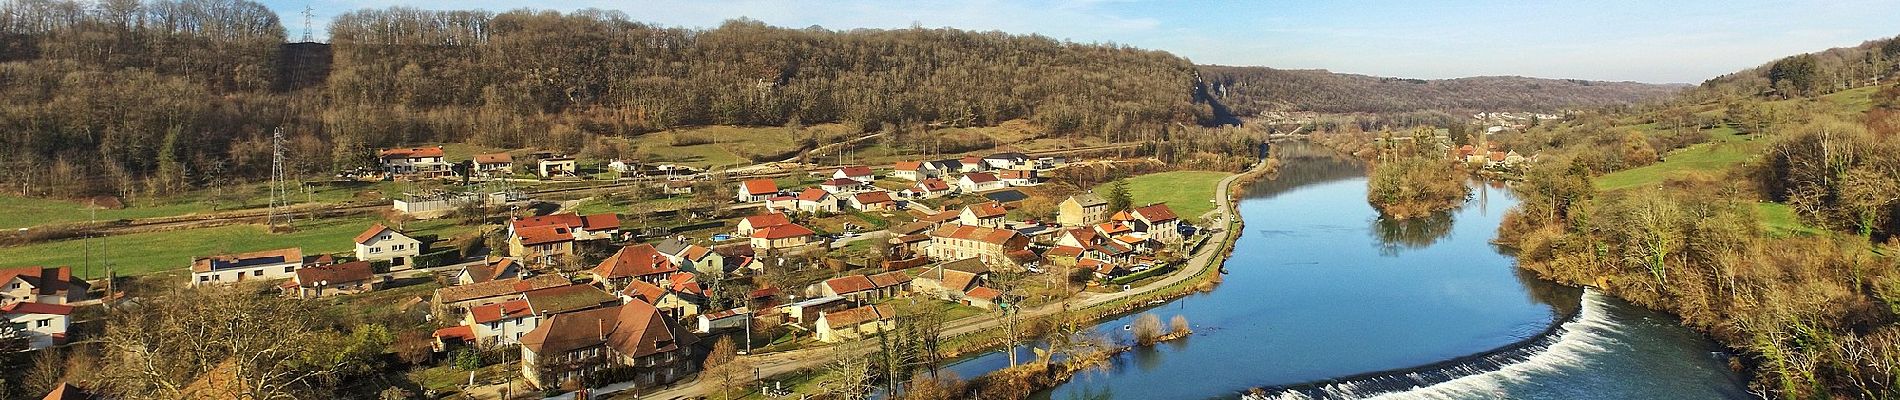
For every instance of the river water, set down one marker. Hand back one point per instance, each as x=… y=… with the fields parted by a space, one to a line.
x=1325 y=300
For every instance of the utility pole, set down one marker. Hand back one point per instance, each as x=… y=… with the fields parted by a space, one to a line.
x=309 y=13
x=279 y=195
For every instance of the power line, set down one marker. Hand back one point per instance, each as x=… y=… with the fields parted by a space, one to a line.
x=279 y=195
x=309 y=13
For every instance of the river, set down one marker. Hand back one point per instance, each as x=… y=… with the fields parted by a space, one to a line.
x=1325 y=300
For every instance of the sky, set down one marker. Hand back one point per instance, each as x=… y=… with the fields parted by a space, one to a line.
x=1671 y=41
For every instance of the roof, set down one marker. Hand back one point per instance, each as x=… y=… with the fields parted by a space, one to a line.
x=889 y=279
x=1158 y=212
x=971 y=265
x=1089 y=199
x=1064 y=251
x=511 y=309
x=412 y=152
x=956 y=280
x=672 y=247
x=27 y=307
x=941 y=217
x=1099 y=266
x=490 y=271
x=67 y=391
x=857 y=170
x=1007 y=156
x=686 y=282
x=760 y=186
x=908 y=165
x=1111 y=248
x=980 y=177
x=873 y=197
x=593 y=222
x=813 y=194
x=463 y=332
x=1006 y=196
x=913 y=238
x=44 y=280
x=247 y=260
x=849 y=284
x=1083 y=236
x=1017 y=174
x=1114 y=228
x=370 y=233
x=983 y=292
x=634 y=330
x=933 y=185
x=860 y=315
x=1023 y=256
x=695 y=252
x=988 y=210
x=976 y=233
x=544 y=234
x=782 y=231
x=600 y=222
x=354 y=271
x=635 y=261
x=643 y=291
x=910 y=228
x=765 y=220
x=841 y=182
x=947 y=164
x=494 y=158
x=498 y=287
x=560 y=299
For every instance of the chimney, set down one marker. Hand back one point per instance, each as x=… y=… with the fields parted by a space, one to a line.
x=600 y=327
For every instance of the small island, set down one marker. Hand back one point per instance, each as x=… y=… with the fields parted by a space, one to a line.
x=1413 y=187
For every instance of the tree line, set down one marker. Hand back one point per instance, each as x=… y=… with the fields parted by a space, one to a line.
x=1253 y=90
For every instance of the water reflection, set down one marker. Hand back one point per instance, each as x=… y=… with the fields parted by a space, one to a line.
x=1395 y=235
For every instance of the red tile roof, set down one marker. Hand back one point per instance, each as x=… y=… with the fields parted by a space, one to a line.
x=635 y=261
x=370 y=233
x=412 y=152
x=980 y=177
x=464 y=332
x=643 y=291
x=757 y=187
x=27 y=307
x=292 y=255
x=544 y=234
x=1083 y=236
x=44 y=280
x=849 y=284
x=874 y=197
x=856 y=171
x=686 y=282
x=1158 y=212
x=767 y=220
x=782 y=231
x=988 y=210
x=1064 y=251
x=354 y=271
x=494 y=158
x=813 y=194
x=67 y=391
x=595 y=222
x=499 y=311
x=633 y=330
x=984 y=292
x=976 y=233
x=908 y=165
x=933 y=185
x=860 y=315
x=889 y=279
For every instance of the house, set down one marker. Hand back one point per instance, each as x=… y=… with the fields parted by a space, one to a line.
x=338 y=279
x=929 y=188
x=913 y=171
x=43 y=325
x=456 y=300
x=677 y=187
x=969 y=164
x=873 y=201
x=500 y=324
x=66 y=391
x=782 y=204
x=494 y=164
x=753 y=223
x=641 y=262
x=943 y=167
x=1158 y=221
x=1063 y=256
x=246 y=267
x=1007 y=161
x=556 y=167
x=834 y=327
x=380 y=243
x=623 y=167
x=633 y=339
x=988 y=215
x=1082 y=210
x=741 y=255
x=413 y=160
x=788 y=237
x=690 y=256
x=891 y=284
x=728 y=319
x=676 y=301
x=950 y=281
x=979 y=182
x=842 y=185
x=814 y=200
x=853 y=287
x=805 y=313
x=41 y=285
x=859 y=173
x=601 y=226
x=1078 y=237
x=909 y=246
x=1102 y=269
x=939 y=219
x=1018 y=177
x=544 y=239
x=757 y=190
x=981 y=297
x=963 y=241
x=499 y=268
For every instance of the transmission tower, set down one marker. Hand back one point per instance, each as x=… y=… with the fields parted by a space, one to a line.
x=279 y=195
x=309 y=13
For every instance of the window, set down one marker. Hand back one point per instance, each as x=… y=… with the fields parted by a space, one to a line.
x=14 y=286
x=395 y=247
x=44 y=323
x=494 y=325
x=374 y=250
x=204 y=278
x=290 y=269
x=257 y=273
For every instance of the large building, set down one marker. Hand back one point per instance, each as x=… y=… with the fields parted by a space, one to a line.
x=1082 y=210
x=380 y=243
x=989 y=245
x=246 y=267
x=632 y=340
x=41 y=285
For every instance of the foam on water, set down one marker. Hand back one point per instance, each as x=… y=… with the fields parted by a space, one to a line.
x=1479 y=376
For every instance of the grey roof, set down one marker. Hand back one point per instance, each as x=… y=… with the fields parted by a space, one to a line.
x=1006 y=196
x=947 y=164
x=970 y=265
x=1089 y=199
x=671 y=246
x=1014 y=156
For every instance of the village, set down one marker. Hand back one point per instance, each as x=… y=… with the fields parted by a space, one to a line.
x=571 y=300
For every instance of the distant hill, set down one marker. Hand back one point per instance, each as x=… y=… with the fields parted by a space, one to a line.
x=1813 y=74
x=1252 y=90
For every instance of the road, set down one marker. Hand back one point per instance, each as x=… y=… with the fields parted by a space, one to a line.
x=774 y=364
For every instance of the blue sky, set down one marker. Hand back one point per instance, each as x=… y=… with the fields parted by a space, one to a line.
x=1649 y=41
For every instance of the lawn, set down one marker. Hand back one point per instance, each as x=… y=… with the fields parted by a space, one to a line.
x=724 y=146
x=594 y=205
x=1700 y=158
x=1780 y=221
x=1189 y=193
x=24 y=212
x=146 y=253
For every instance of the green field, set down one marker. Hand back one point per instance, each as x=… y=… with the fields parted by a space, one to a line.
x=1708 y=158
x=594 y=205
x=1188 y=193
x=724 y=146
x=145 y=253
x=1780 y=221
x=23 y=212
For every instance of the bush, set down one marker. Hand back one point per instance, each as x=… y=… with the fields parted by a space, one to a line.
x=1147 y=329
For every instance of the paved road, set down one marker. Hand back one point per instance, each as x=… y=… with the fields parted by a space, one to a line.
x=773 y=364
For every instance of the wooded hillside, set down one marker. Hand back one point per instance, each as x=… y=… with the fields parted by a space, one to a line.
x=1252 y=90
x=1812 y=74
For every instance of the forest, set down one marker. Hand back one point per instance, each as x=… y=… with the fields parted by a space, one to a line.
x=1253 y=90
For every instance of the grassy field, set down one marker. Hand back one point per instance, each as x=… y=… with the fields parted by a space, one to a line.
x=723 y=146
x=594 y=205
x=146 y=253
x=1188 y=193
x=1780 y=221
x=23 y=212
x=1700 y=158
